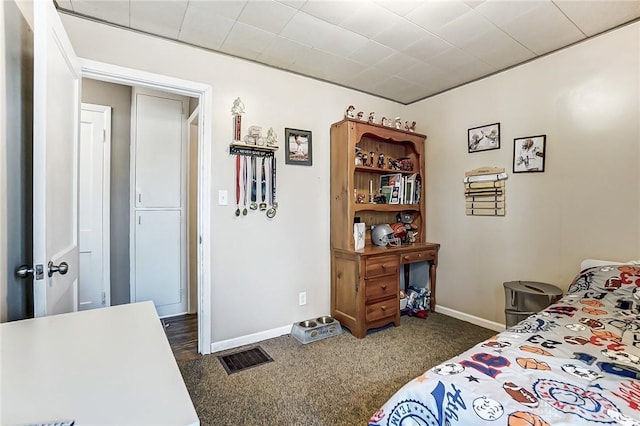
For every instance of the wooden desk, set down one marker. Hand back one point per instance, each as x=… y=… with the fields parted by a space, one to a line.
x=365 y=285
x=110 y=366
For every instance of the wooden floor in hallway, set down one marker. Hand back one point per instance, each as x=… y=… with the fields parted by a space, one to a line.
x=182 y=333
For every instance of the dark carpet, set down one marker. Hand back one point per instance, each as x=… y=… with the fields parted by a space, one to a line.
x=340 y=380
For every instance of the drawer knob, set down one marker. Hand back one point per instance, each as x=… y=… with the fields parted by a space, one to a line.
x=383 y=307
x=384 y=286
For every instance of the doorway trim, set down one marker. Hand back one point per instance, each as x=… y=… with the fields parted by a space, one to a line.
x=132 y=77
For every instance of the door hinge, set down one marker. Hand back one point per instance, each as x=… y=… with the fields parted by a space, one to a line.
x=104 y=298
x=104 y=135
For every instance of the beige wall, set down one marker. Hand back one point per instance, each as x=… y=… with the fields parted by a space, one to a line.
x=258 y=265
x=586 y=203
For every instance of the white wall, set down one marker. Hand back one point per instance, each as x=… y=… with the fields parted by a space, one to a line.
x=259 y=266
x=587 y=202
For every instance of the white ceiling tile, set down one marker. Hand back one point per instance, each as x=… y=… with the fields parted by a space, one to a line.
x=371 y=53
x=421 y=74
x=246 y=41
x=427 y=46
x=594 y=17
x=464 y=27
x=501 y=12
x=306 y=29
x=116 y=11
x=543 y=29
x=400 y=7
x=397 y=62
x=282 y=52
x=400 y=35
x=65 y=4
x=202 y=26
x=451 y=59
x=497 y=49
x=268 y=15
x=434 y=15
x=158 y=17
x=368 y=79
x=474 y=3
x=296 y=4
x=370 y=19
x=341 y=42
x=331 y=11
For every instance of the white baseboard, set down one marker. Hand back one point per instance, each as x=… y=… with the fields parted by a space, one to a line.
x=470 y=318
x=250 y=338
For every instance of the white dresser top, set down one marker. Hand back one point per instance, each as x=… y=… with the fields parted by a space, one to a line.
x=110 y=366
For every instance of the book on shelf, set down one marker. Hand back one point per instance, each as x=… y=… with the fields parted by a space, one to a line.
x=390 y=185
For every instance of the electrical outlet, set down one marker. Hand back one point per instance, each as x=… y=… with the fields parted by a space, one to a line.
x=302 y=298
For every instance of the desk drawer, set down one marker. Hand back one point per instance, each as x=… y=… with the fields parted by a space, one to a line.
x=418 y=256
x=384 y=309
x=380 y=288
x=381 y=265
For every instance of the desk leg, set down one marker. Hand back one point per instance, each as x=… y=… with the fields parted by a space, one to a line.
x=407 y=272
x=432 y=282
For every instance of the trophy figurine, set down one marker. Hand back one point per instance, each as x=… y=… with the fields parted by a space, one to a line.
x=237 y=110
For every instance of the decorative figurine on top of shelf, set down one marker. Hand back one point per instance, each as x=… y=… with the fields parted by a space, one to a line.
x=361 y=158
x=372 y=118
x=237 y=110
x=406 y=164
x=397 y=123
x=272 y=139
x=360 y=115
x=350 y=112
x=381 y=161
x=412 y=127
x=394 y=164
x=372 y=158
x=406 y=126
x=384 y=121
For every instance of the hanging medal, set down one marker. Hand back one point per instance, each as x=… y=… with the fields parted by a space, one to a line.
x=245 y=172
x=263 y=187
x=254 y=185
x=271 y=212
x=237 y=185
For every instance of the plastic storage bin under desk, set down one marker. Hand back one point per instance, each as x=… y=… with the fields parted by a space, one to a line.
x=524 y=298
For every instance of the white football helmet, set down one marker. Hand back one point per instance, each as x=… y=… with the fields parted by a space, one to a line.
x=383 y=235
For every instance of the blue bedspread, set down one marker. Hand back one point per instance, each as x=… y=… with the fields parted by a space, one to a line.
x=575 y=363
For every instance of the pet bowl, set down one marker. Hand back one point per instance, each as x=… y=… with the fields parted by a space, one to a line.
x=307 y=324
x=325 y=320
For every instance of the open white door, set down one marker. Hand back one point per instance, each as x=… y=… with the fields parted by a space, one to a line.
x=55 y=164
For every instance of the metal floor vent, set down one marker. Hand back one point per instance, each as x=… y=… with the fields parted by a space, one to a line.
x=245 y=359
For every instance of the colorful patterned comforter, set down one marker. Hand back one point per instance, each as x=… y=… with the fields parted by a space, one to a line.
x=576 y=362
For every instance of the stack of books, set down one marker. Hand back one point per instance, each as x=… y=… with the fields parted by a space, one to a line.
x=401 y=189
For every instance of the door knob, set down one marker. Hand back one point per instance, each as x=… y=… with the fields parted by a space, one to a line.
x=24 y=271
x=63 y=268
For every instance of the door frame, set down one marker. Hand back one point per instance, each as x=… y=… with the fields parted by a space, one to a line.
x=106 y=198
x=204 y=92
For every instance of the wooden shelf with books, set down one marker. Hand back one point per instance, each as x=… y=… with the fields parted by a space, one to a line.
x=377 y=178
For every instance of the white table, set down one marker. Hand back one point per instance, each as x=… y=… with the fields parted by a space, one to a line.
x=110 y=366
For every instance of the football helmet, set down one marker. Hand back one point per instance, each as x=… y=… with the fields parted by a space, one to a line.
x=383 y=235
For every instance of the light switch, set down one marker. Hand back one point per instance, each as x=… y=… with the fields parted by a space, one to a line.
x=223 y=197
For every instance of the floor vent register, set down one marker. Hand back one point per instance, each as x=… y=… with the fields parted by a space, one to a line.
x=245 y=359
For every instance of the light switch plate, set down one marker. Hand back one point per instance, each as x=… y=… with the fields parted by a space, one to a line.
x=223 y=197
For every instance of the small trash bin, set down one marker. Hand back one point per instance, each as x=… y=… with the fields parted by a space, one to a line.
x=524 y=298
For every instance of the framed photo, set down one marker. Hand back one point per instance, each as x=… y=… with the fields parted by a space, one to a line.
x=484 y=138
x=529 y=154
x=298 y=147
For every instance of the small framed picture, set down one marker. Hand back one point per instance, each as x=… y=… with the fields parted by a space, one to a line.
x=484 y=138
x=529 y=154
x=298 y=147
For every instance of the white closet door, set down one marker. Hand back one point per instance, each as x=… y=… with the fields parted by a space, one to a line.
x=159 y=135
x=158 y=254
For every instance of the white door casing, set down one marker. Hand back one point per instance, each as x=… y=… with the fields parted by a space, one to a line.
x=204 y=93
x=55 y=163
x=94 y=200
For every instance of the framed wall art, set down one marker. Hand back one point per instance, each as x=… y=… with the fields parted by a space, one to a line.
x=529 y=154
x=298 y=147
x=484 y=138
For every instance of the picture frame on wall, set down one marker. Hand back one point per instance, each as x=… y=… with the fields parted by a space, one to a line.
x=298 y=147
x=529 y=154
x=483 y=138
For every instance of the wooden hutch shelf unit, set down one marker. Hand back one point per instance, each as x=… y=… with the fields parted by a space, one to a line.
x=365 y=284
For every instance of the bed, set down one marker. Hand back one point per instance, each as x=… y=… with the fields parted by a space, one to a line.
x=575 y=362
